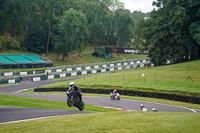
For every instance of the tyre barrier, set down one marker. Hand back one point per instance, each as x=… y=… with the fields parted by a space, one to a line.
x=174 y=97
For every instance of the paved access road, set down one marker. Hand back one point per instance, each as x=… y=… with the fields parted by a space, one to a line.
x=22 y=113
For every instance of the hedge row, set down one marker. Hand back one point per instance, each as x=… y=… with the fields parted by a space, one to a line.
x=173 y=97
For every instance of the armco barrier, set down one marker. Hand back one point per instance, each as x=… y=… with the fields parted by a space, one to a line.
x=83 y=72
x=10 y=81
x=78 y=70
x=173 y=97
x=77 y=67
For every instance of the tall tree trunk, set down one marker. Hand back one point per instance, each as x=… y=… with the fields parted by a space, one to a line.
x=63 y=57
x=13 y=28
x=79 y=53
x=57 y=56
x=48 y=39
x=118 y=42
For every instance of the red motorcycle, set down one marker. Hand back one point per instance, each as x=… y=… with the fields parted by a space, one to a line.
x=114 y=96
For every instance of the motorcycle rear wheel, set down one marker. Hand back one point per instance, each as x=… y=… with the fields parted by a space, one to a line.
x=81 y=107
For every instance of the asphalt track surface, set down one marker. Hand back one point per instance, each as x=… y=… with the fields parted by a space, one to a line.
x=8 y=114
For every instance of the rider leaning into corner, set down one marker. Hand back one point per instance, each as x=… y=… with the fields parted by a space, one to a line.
x=114 y=92
x=76 y=89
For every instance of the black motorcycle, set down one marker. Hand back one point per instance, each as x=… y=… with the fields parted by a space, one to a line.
x=73 y=99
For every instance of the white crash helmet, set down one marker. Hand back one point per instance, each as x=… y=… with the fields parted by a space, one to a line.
x=71 y=83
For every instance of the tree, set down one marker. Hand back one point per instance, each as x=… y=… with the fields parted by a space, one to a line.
x=72 y=32
x=124 y=27
x=168 y=31
x=35 y=41
x=58 y=45
x=35 y=36
x=51 y=10
x=139 y=41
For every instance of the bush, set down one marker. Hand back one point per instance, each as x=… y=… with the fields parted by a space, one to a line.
x=35 y=41
x=8 y=43
x=1 y=45
x=14 y=44
x=2 y=42
x=98 y=54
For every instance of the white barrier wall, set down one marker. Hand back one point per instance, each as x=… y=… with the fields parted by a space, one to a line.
x=62 y=75
x=84 y=72
x=112 y=65
x=94 y=71
x=119 y=64
x=88 y=67
x=69 y=69
x=96 y=67
x=58 y=70
x=141 y=65
x=23 y=73
x=49 y=71
x=51 y=77
x=74 y=74
x=104 y=65
x=119 y=68
x=36 y=79
x=103 y=70
x=11 y=81
x=8 y=74
x=78 y=68
x=128 y=67
x=112 y=69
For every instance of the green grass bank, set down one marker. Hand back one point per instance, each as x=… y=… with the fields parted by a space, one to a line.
x=15 y=101
x=173 y=79
x=105 y=122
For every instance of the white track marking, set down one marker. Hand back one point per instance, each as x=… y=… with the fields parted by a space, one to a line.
x=34 y=119
x=154 y=103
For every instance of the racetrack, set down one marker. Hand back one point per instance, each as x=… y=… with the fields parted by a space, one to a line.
x=11 y=114
x=14 y=114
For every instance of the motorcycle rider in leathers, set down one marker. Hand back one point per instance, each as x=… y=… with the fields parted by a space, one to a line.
x=114 y=92
x=76 y=89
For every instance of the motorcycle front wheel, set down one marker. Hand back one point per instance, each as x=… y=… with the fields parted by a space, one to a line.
x=69 y=102
x=111 y=97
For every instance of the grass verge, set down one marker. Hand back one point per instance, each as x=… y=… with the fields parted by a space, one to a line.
x=171 y=79
x=126 y=122
x=15 y=101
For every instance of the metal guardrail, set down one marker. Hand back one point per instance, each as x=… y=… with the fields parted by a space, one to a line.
x=17 y=73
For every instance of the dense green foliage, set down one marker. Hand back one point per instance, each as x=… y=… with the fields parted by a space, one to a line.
x=8 y=42
x=45 y=25
x=72 y=32
x=172 y=32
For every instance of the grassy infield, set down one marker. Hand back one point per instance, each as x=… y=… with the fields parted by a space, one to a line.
x=170 y=79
